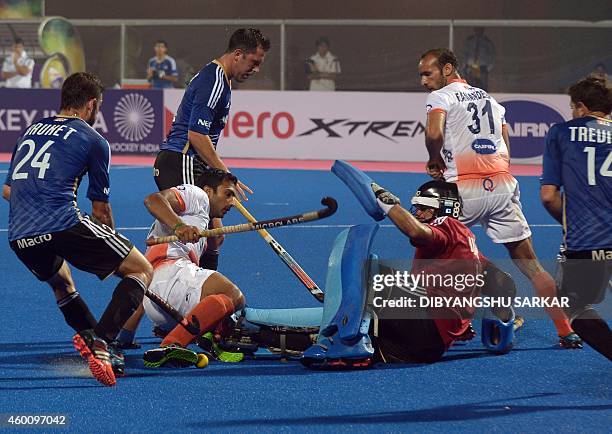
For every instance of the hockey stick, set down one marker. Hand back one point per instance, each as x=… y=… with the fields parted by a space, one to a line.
x=284 y=255
x=175 y=314
x=330 y=207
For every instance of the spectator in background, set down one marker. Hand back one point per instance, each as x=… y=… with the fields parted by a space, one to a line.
x=17 y=67
x=479 y=57
x=322 y=67
x=600 y=71
x=161 y=71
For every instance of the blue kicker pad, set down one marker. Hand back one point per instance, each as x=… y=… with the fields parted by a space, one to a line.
x=304 y=317
x=309 y=317
x=361 y=186
x=344 y=329
x=504 y=338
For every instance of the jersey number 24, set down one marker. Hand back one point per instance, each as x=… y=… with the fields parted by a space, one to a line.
x=40 y=160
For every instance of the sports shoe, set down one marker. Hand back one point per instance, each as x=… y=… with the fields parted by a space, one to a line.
x=116 y=358
x=172 y=355
x=570 y=342
x=95 y=351
x=211 y=348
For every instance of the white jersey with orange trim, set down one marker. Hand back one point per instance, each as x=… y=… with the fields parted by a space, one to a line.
x=195 y=209
x=473 y=143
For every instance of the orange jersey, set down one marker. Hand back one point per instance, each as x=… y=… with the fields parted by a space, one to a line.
x=473 y=143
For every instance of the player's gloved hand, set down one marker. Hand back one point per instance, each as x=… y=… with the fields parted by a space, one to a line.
x=242 y=188
x=435 y=167
x=386 y=200
x=187 y=233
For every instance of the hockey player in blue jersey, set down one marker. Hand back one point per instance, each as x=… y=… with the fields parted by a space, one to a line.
x=577 y=191
x=191 y=145
x=47 y=230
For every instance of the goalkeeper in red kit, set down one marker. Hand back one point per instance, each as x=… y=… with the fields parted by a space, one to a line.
x=434 y=229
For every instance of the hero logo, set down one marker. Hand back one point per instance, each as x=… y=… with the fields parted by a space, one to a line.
x=134 y=117
x=243 y=125
x=528 y=122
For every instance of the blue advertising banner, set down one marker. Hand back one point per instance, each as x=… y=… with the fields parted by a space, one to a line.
x=131 y=120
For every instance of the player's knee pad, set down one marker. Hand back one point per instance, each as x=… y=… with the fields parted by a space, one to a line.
x=133 y=289
x=343 y=340
x=497 y=336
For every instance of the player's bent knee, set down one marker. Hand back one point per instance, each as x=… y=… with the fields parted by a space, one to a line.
x=135 y=264
x=147 y=272
x=234 y=294
x=239 y=301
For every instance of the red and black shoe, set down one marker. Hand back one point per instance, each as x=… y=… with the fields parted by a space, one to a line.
x=95 y=351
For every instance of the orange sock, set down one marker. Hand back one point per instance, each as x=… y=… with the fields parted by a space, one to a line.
x=545 y=287
x=206 y=314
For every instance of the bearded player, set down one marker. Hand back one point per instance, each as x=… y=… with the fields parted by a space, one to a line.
x=468 y=143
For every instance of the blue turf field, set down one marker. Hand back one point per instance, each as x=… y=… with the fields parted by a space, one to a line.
x=535 y=388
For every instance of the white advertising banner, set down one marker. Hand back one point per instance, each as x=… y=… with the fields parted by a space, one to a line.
x=361 y=126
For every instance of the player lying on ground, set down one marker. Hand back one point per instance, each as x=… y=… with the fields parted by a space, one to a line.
x=204 y=297
x=47 y=230
x=438 y=236
x=468 y=143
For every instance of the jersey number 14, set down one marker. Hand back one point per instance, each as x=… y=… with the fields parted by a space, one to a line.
x=604 y=170
x=40 y=160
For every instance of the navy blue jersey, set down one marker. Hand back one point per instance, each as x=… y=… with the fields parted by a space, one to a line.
x=166 y=67
x=48 y=164
x=578 y=158
x=204 y=109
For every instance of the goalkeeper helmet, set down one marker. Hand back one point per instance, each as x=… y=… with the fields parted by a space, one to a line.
x=442 y=196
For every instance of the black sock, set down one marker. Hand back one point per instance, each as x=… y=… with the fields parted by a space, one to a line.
x=126 y=299
x=210 y=260
x=594 y=331
x=77 y=314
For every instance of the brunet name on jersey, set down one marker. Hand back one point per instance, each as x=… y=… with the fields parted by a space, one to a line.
x=48 y=164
